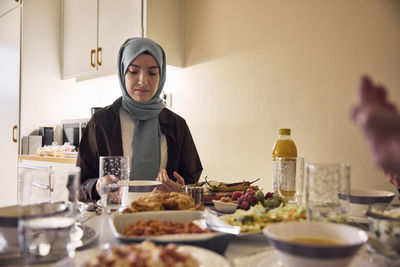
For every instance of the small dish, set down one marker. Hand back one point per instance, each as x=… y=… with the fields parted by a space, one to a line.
x=225 y=207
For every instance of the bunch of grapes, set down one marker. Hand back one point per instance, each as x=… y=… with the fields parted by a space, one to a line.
x=273 y=200
x=245 y=200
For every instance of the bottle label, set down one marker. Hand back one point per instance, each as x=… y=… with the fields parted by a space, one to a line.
x=274 y=180
x=286 y=177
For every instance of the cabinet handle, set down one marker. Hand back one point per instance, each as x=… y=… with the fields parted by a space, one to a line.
x=99 y=52
x=92 y=63
x=40 y=185
x=16 y=0
x=14 y=129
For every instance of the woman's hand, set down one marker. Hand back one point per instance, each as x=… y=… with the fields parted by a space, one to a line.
x=113 y=194
x=169 y=185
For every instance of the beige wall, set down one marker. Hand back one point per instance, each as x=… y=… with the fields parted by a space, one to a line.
x=251 y=68
x=255 y=66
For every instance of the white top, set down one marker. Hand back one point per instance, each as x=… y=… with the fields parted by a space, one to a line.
x=127 y=130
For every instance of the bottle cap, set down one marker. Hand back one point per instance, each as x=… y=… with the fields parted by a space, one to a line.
x=285 y=131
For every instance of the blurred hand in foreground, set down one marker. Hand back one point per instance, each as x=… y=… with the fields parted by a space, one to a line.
x=379 y=120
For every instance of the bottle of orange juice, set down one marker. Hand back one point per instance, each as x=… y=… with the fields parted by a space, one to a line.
x=284 y=147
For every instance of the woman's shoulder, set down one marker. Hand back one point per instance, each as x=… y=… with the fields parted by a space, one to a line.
x=167 y=116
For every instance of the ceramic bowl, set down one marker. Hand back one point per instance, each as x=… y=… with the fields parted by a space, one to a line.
x=140 y=188
x=384 y=223
x=9 y=218
x=225 y=207
x=292 y=250
x=361 y=198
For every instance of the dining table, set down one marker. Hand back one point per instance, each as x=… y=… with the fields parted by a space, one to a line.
x=242 y=250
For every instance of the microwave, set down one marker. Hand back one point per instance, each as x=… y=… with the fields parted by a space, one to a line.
x=73 y=131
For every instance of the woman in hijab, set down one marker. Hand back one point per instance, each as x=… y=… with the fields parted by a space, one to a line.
x=138 y=125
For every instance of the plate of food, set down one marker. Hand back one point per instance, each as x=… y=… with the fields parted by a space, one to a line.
x=183 y=227
x=161 y=201
x=151 y=254
x=215 y=190
x=253 y=220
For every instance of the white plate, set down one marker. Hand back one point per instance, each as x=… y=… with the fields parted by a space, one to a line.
x=119 y=222
x=271 y=259
x=205 y=257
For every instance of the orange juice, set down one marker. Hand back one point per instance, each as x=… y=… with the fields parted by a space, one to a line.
x=286 y=148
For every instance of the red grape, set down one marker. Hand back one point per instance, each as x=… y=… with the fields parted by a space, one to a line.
x=250 y=191
x=269 y=195
x=240 y=200
x=236 y=195
x=245 y=205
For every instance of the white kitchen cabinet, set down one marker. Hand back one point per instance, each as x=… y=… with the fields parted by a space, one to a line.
x=10 y=29
x=163 y=22
x=93 y=31
x=8 y=5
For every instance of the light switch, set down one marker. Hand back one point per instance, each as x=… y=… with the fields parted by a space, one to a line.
x=168 y=100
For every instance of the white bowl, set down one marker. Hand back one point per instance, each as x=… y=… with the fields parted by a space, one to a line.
x=225 y=207
x=361 y=198
x=140 y=188
x=349 y=240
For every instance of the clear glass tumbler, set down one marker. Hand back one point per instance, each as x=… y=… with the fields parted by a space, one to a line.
x=46 y=227
x=114 y=177
x=328 y=192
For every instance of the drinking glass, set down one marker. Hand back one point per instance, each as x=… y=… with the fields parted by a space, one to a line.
x=46 y=229
x=114 y=177
x=328 y=192
x=290 y=178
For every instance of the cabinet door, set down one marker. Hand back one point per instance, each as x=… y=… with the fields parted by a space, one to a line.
x=163 y=22
x=79 y=37
x=9 y=103
x=118 y=21
x=7 y=5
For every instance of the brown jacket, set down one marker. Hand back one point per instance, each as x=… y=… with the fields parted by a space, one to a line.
x=102 y=137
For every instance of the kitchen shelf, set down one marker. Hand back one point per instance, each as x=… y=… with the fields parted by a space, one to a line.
x=48 y=159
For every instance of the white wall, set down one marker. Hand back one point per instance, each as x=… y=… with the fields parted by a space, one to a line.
x=255 y=66
x=251 y=67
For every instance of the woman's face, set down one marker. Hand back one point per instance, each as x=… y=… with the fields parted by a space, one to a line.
x=142 y=78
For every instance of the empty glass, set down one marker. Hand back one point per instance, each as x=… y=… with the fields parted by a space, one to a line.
x=114 y=177
x=327 y=192
x=46 y=228
x=290 y=178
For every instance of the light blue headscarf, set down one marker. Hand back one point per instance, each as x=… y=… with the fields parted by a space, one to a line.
x=146 y=146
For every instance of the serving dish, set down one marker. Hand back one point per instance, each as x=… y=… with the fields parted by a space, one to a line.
x=216 y=241
x=361 y=198
x=311 y=243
